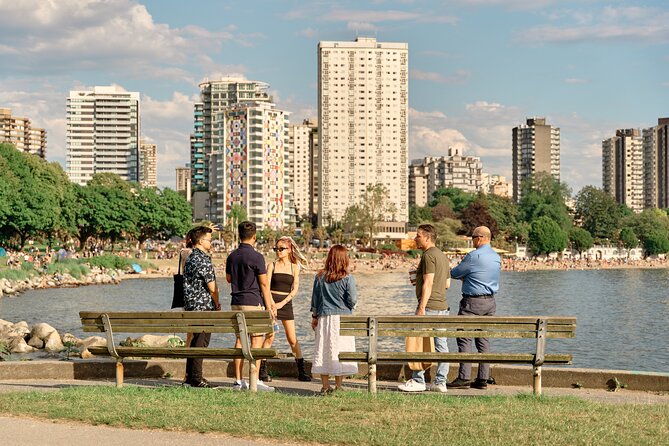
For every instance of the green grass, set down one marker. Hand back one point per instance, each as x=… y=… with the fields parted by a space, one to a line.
x=354 y=418
x=110 y=261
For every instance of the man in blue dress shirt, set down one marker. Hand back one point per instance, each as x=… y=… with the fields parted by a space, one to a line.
x=479 y=272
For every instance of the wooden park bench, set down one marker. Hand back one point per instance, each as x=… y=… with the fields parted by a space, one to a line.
x=242 y=323
x=538 y=328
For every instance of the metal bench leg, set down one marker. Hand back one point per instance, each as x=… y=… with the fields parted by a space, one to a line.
x=536 y=373
x=119 y=373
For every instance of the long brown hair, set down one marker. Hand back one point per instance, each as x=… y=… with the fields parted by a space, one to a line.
x=336 y=265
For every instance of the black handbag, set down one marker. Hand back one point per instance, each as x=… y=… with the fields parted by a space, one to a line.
x=178 y=295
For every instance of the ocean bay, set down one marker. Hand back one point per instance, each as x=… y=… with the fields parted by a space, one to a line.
x=622 y=313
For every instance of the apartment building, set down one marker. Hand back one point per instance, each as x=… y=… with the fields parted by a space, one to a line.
x=148 y=164
x=535 y=148
x=103 y=133
x=183 y=178
x=363 y=97
x=431 y=173
x=623 y=168
x=20 y=132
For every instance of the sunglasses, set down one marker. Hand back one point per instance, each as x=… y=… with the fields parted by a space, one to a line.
x=278 y=249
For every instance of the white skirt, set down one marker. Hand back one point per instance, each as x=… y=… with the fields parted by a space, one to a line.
x=328 y=345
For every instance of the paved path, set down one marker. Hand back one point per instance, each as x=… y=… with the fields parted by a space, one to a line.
x=22 y=431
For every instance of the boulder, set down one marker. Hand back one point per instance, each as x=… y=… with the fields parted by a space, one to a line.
x=36 y=342
x=154 y=340
x=52 y=342
x=18 y=345
x=4 y=323
x=42 y=330
x=69 y=337
x=19 y=329
x=92 y=341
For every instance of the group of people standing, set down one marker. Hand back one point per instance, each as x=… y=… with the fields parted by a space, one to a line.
x=257 y=286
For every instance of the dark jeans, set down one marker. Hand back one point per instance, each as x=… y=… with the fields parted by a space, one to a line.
x=475 y=306
x=194 y=365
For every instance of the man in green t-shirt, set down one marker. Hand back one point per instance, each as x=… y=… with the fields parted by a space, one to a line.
x=432 y=280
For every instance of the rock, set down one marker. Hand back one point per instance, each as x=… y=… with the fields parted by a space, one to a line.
x=52 y=342
x=4 y=322
x=18 y=345
x=69 y=337
x=154 y=340
x=92 y=341
x=42 y=330
x=36 y=342
x=19 y=329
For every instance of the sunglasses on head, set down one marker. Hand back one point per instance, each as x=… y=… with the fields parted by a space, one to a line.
x=279 y=249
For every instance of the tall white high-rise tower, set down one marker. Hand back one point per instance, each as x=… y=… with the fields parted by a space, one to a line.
x=363 y=100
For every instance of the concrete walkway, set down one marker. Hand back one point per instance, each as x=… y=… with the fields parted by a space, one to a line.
x=21 y=431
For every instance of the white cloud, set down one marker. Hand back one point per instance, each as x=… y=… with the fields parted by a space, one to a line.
x=361 y=26
x=459 y=77
x=366 y=15
x=117 y=36
x=573 y=80
x=309 y=33
x=644 y=24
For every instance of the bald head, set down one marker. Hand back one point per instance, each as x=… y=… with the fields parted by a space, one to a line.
x=481 y=236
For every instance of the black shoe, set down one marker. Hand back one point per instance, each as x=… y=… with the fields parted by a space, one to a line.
x=301 y=372
x=263 y=373
x=459 y=384
x=204 y=384
x=481 y=384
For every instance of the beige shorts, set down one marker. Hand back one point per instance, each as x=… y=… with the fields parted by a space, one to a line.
x=248 y=308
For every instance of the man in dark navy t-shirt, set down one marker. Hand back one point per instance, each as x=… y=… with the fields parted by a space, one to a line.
x=246 y=272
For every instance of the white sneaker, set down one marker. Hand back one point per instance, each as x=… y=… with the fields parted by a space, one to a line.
x=240 y=385
x=412 y=386
x=262 y=387
x=439 y=388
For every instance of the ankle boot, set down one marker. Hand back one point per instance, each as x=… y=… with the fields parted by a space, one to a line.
x=301 y=373
x=263 y=373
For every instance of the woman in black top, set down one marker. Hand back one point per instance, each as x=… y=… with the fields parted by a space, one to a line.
x=284 y=280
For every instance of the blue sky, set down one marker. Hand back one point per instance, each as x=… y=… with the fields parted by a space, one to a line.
x=477 y=67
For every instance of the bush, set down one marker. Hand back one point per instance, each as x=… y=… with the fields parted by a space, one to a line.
x=15 y=275
x=414 y=253
x=27 y=267
x=109 y=261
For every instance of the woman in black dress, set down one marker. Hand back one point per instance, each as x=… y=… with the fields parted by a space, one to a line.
x=284 y=280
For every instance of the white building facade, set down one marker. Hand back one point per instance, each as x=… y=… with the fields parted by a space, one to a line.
x=300 y=154
x=103 y=133
x=148 y=175
x=22 y=134
x=363 y=99
x=431 y=173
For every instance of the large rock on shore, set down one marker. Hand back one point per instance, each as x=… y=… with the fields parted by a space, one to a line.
x=18 y=345
x=42 y=330
x=92 y=341
x=52 y=342
x=155 y=341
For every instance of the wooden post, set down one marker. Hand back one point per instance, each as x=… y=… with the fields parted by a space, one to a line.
x=536 y=381
x=542 y=325
x=253 y=376
x=119 y=373
x=371 y=357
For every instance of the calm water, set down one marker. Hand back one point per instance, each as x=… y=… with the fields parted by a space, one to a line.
x=623 y=315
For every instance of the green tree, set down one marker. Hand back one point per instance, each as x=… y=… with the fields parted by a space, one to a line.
x=598 y=212
x=374 y=206
x=320 y=233
x=457 y=199
x=161 y=214
x=628 y=239
x=119 y=210
x=440 y=212
x=34 y=192
x=419 y=214
x=546 y=236
x=580 y=239
x=307 y=232
x=656 y=242
x=544 y=196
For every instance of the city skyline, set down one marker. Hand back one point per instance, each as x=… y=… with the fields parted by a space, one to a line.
x=477 y=68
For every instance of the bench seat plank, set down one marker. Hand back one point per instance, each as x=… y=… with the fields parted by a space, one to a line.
x=565 y=320
x=185 y=352
x=500 y=358
x=449 y=333
x=180 y=329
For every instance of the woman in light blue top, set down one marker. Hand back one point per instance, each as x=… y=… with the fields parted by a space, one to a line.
x=334 y=294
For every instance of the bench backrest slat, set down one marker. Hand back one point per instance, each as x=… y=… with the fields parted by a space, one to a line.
x=177 y=321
